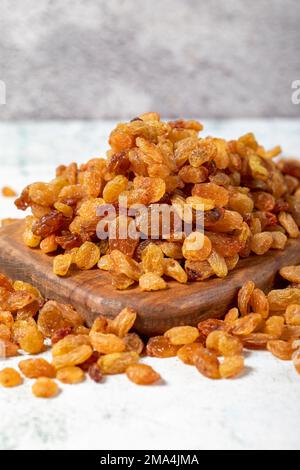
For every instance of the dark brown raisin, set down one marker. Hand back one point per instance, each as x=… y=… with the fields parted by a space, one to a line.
x=69 y=240
x=61 y=333
x=49 y=223
x=95 y=373
x=119 y=163
x=90 y=361
x=281 y=206
x=213 y=216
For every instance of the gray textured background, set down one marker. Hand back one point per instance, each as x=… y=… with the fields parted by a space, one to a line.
x=116 y=58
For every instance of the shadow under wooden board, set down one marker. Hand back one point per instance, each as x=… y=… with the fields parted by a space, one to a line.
x=91 y=293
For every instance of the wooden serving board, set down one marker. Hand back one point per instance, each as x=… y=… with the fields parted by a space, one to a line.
x=91 y=293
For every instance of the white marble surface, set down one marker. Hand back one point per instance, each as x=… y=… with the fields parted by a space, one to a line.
x=260 y=410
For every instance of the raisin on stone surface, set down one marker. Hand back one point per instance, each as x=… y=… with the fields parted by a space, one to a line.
x=142 y=374
x=95 y=373
x=45 y=388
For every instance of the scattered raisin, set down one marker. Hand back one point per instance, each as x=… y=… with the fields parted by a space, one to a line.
x=9 y=377
x=142 y=374
x=95 y=373
x=45 y=388
x=231 y=367
x=35 y=368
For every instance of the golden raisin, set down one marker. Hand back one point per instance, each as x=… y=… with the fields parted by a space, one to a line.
x=292 y=315
x=55 y=316
x=74 y=357
x=114 y=188
x=142 y=374
x=261 y=243
x=87 y=256
x=231 y=367
x=207 y=326
x=259 y=303
x=106 y=343
x=207 y=363
x=105 y=263
x=291 y=273
x=28 y=336
x=117 y=363
x=25 y=286
x=200 y=203
x=61 y=264
x=279 y=240
x=174 y=270
x=281 y=349
x=5 y=333
x=70 y=375
x=9 y=377
x=289 y=224
x=187 y=352
x=123 y=264
x=180 y=335
x=45 y=388
x=244 y=297
x=18 y=300
x=152 y=282
x=68 y=343
x=196 y=247
x=123 y=322
x=224 y=344
x=256 y=340
x=172 y=250
x=218 y=194
x=160 y=346
x=280 y=299
x=133 y=343
x=246 y=325
x=8 y=349
x=218 y=264
x=152 y=259
x=231 y=315
x=274 y=326
x=230 y=221
x=8 y=192
x=34 y=368
x=205 y=151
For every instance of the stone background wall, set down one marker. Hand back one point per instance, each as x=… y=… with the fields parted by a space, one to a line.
x=86 y=59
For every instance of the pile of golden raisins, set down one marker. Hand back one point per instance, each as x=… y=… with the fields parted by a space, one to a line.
x=30 y=325
x=251 y=205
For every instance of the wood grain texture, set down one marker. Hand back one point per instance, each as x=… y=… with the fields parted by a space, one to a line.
x=91 y=293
